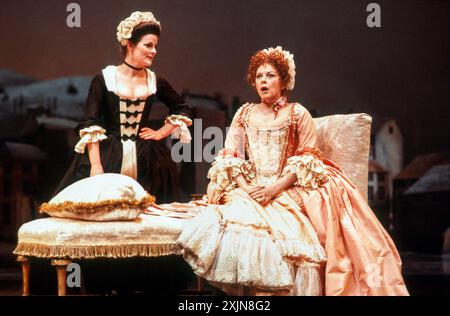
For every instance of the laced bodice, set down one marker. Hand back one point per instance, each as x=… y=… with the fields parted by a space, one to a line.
x=266 y=148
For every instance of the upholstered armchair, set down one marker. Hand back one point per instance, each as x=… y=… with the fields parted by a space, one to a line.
x=345 y=139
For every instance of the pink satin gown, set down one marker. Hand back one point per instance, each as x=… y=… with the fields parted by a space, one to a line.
x=361 y=258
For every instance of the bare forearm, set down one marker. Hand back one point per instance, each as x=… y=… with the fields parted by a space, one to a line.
x=242 y=183
x=166 y=130
x=94 y=153
x=284 y=183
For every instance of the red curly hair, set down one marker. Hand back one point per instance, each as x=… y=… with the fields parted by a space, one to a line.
x=275 y=58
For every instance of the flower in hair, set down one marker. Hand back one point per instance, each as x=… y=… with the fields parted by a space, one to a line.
x=126 y=27
x=290 y=61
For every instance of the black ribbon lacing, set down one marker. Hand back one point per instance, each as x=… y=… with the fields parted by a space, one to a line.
x=126 y=137
x=129 y=114
x=132 y=102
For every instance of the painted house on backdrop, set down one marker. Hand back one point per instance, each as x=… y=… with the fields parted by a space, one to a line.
x=386 y=161
x=40 y=114
x=378 y=183
x=425 y=216
x=411 y=174
x=62 y=97
x=20 y=166
x=20 y=171
x=9 y=78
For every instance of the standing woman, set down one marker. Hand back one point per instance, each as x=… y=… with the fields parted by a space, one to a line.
x=114 y=128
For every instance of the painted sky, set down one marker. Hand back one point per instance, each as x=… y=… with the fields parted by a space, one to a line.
x=400 y=70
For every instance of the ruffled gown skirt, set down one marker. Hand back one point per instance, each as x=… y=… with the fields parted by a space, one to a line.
x=270 y=250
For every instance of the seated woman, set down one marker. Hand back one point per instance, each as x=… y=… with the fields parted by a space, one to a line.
x=277 y=201
x=115 y=126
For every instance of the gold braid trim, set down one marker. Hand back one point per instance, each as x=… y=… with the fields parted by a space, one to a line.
x=93 y=207
x=100 y=251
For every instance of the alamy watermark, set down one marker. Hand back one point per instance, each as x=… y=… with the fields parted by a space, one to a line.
x=206 y=144
x=74 y=277
x=374 y=18
x=74 y=17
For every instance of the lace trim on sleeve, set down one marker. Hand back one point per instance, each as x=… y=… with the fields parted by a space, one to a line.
x=226 y=167
x=307 y=164
x=91 y=134
x=181 y=131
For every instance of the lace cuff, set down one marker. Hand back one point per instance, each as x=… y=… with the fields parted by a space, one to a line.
x=91 y=134
x=226 y=168
x=181 y=131
x=308 y=167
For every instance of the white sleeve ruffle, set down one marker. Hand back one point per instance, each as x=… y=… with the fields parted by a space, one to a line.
x=309 y=169
x=181 y=131
x=224 y=170
x=91 y=134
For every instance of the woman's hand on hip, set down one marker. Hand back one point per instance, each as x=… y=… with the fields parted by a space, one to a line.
x=150 y=134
